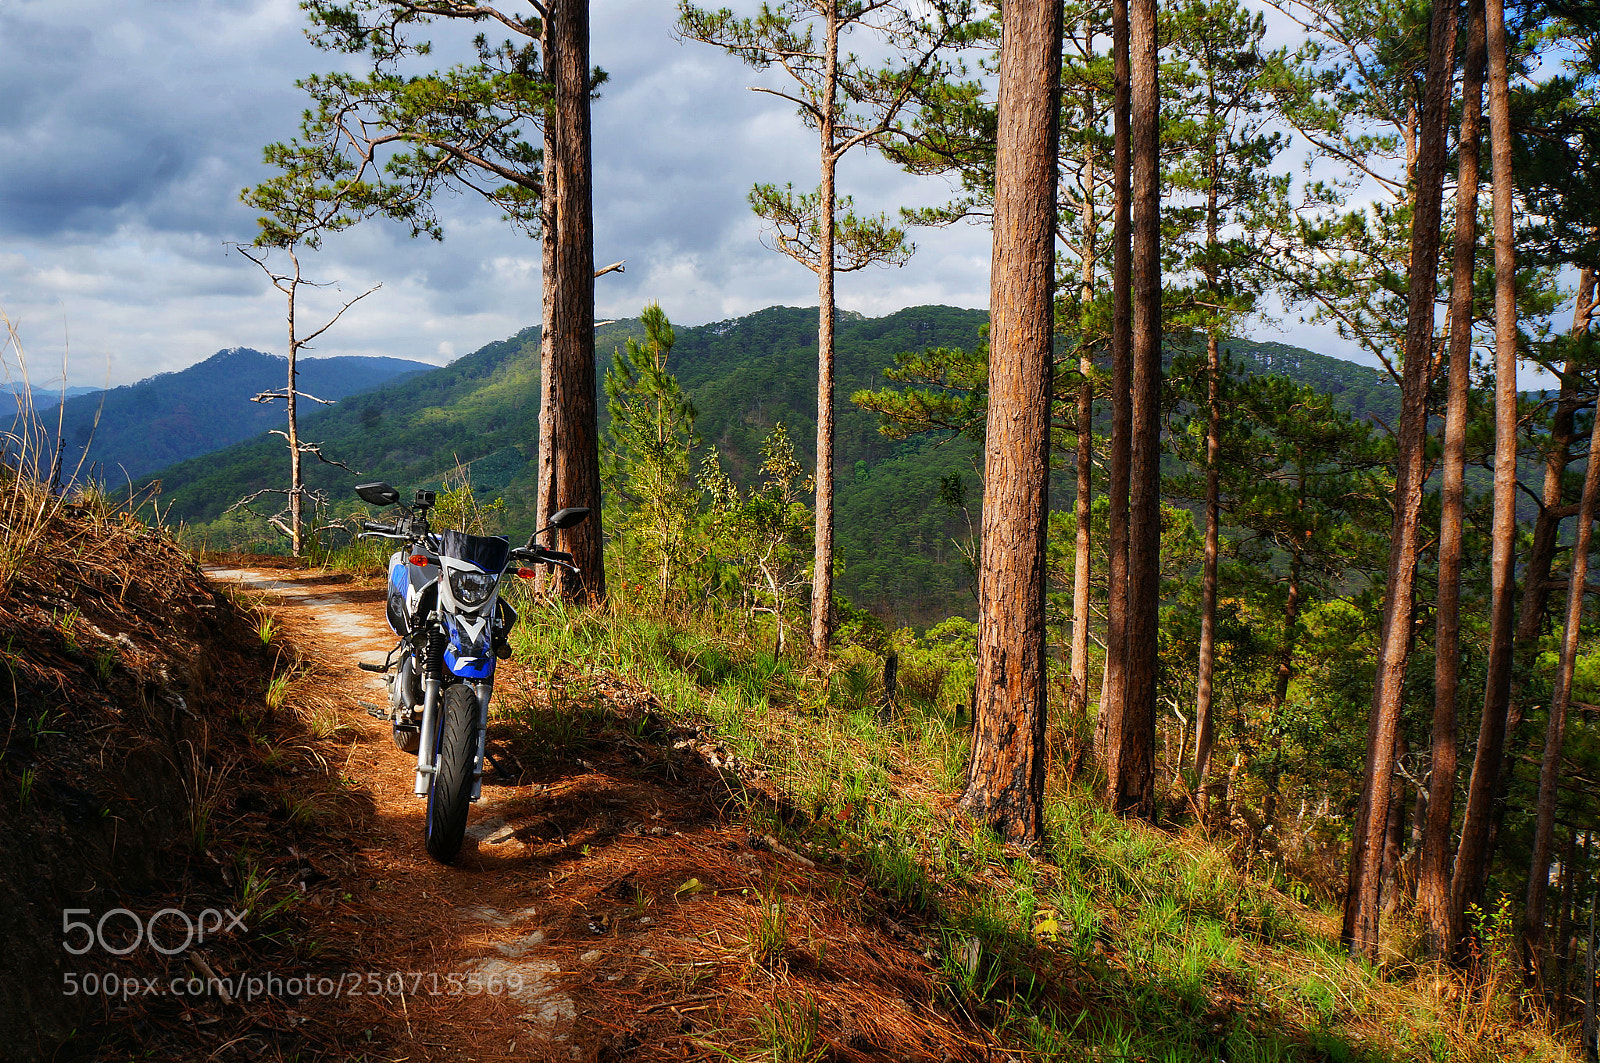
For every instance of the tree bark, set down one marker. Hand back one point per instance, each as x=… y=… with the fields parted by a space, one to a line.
x=1108 y=724
x=1433 y=873
x=1285 y=672
x=1361 y=914
x=1393 y=833
x=822 y=561
x=577 y=448
x=296 y=473
x=545 y=502
x=1005 y=779
x=1560 y=702
x=1563 y=943
x=1132 y=776
x=1591 y=1050
x=1082 y=566
x=1204 y=726
x=1473 y=852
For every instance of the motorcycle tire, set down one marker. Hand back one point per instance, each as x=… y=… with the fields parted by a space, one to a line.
x=450 y=788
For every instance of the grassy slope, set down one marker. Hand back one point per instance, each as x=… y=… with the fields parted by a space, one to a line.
x=1113 y=941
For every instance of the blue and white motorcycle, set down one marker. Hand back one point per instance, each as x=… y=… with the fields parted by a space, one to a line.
x=444 y=603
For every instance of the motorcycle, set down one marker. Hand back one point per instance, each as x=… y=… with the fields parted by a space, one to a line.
x=443 y=602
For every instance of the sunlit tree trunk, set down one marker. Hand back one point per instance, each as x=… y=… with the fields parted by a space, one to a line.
x=1005 y=778
x=1361 y=914
x=572 y=376
x=822 y=570
x=545 y=503
x=1473 y=852
x=1433 y=872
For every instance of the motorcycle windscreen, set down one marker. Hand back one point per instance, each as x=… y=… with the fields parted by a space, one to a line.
x=470 y=650
x=487 y=552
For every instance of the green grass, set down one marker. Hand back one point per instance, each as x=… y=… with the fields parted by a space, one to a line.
x=1112 y=941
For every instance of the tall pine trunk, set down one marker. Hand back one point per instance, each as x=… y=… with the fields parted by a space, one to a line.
x=1078 y=706
x=1005 y=779
x=822 y=560
x=1108 y=725
x=1433 y=872
x=1560 y=702
x=572 y=373
x=545 y=502
x=1131 y=759
x=1362 y=909
x=1204 y=726
x=1472 y=855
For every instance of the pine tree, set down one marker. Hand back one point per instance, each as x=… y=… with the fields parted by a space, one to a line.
x=850 y=103
x=648 y=457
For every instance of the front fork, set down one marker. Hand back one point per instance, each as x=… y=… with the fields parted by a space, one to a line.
x=427 y=759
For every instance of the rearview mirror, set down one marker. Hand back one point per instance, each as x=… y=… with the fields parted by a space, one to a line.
x=377 y=494
x=570 y=518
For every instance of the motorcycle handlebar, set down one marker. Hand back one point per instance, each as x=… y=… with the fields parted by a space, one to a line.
x=378 y=526
x=539 y=555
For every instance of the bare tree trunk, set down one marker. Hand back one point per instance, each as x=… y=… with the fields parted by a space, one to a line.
x=1208 y=569
x=1562 y=945
x=545 y=502
x=822 y=562
x=1433 y=874
x=1005 y=780
x=1108 y=725
x=1360 y=929
x=1393 y=833
x=577 y=466
x=1591 y=1051
x=296 y=475
x=1560 y=702
x=1131 y=774
x=1280 y=686
x=1204 y=725
x=1082 y=561
x=1473 y=852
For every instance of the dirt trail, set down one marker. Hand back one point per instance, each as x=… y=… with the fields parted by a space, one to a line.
x=442 y=932
x=607 y=904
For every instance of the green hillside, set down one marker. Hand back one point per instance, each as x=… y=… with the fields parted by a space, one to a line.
x=897 y=542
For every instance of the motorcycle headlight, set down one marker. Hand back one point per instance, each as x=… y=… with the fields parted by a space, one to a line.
x=471 y=588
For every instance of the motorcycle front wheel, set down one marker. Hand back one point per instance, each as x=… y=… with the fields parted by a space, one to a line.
x=450 y=787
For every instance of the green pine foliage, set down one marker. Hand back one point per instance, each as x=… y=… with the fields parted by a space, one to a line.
x=651 y=501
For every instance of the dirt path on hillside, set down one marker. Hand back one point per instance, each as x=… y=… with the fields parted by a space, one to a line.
x=605 y=905
x=468 y=955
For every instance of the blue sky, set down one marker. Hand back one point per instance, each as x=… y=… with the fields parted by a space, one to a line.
x=129 y=130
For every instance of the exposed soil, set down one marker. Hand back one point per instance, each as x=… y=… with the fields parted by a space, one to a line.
x=611 y=901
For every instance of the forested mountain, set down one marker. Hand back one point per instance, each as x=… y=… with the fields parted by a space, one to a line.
x=44 y=397
x=899 y=542
x=133 y=430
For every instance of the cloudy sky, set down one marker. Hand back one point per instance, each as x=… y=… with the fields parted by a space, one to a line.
x=130 y=128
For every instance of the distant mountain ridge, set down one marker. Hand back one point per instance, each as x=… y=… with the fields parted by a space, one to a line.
x=895 y=538
x=44 y=396
x=171 y=417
